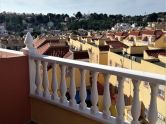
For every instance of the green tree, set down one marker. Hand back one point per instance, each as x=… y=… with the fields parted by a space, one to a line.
x=78 y=15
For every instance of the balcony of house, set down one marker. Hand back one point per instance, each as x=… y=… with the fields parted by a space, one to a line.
x=29 y=95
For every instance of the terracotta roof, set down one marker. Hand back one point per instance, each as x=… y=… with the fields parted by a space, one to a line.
x=111 y=34
x=121 y=34
x=148 y=32
x=157 y=33
x=38 y=42
x=98 y=37
x=116 y=44
x=104 y=48
x=53 y=50
x=86 y=36
x=41 y=41
x=67 y=54
x=156 y=52
x=80 y=55
x=135 y=33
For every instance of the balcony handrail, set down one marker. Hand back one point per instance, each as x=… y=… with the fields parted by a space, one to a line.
x=11 y=51
x=37 y=61
x=122 y=72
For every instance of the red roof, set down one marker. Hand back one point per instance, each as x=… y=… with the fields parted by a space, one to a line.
x=38 y=42
x=157 y=33
x=67 y=54
x=86 y=36
x=116 y=44
x=135 y=33
x=41 y=41
x=53 y=50
x=121 y=34
x=157 y=52
x=111 y=34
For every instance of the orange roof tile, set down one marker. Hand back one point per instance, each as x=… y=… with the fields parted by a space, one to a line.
x=121 y=34
x=157 y=33
x=53 y=50
x=135 y=33
x=116 y=44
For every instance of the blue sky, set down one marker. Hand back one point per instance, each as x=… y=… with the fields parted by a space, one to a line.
x=126 y=7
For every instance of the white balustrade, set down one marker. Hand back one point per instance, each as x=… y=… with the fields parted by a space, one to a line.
x=63 y=87
x=72 y=88
x=106 y=97
x=93 y=111
x=94 y=93
x=152 y=115
x=120 y=101
x=54 y=83
x=46 y=92
x=38 y=78
x=83 y=93
x=136 y=105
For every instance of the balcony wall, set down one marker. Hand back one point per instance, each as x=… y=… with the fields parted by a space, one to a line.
x=14 y=90
x=52 y=114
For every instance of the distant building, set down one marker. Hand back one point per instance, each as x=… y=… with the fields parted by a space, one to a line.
x=121 y=27
x=3 y=31
x=157 y=25
x=11 y=42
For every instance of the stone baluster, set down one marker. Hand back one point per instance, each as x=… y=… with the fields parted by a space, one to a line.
x=120 y=101
x=94 y=93
x=46 y=92
x=152 y=115
x=38 y=78
x=63 y=87
x=72 y=88
x=83 y=93
x=106 y=97
x=136 y=105
x=54 y=83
